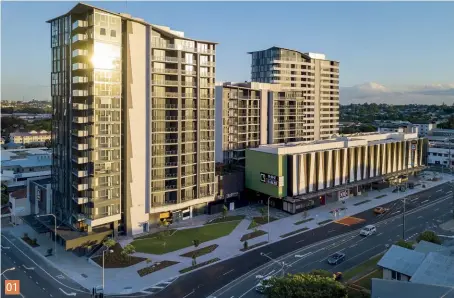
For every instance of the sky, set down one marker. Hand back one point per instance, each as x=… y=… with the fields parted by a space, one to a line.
x=392 y=43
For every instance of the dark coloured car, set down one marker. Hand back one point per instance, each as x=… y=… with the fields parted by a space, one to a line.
x=336 y=258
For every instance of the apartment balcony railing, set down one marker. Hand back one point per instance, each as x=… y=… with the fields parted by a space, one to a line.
x=80 y=133
x=189 y=84
x=165 y=59
x=165 y=70
x=165 y=129
x=80 y=66
x=80 y=147
x=80 y=200
x=165 y=94
x=79 y=216
x=166 y=176
x=79 y=24
x=80 y=174
x=165 y=164
x=80 y=119
x=188 y=162
x=80 y=160
x=166 y=118
x=80 y=186
x=165 y=106
x=207 y=74
x=165 y=83
x=207 y=63
x=188 y=95
x=188 y=117
x=163 y=188
x=164 y=152
x=79 y=38
x=189 y=106
x=80 y=106
x=188 y=72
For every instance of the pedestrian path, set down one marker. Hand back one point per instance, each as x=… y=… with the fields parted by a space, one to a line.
x=125 y=280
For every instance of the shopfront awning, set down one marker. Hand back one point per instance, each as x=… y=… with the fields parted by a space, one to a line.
x=72 y=239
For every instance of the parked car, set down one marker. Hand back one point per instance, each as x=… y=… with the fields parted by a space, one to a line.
x=368 y=230
x=336 y=258
x=380 y=210
x=261 y=286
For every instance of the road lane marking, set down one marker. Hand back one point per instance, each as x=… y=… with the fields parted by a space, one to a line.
x=398 y=211
x=228 y=272
x=351 y=246
x=437 y=209
x=400 y=225
x=31 y=268
x=380 y=234
x=420 y=217
x=423 y=202
x=67 y=294
x=301 y=241
x=439 y=190
x=353 y=234
x=18 y=249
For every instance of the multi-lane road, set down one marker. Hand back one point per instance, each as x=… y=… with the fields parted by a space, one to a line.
x=37 y=278
x=236 y=277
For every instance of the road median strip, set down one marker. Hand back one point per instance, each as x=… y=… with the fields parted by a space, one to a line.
x=200 y=252
x=199 y=265
x=252 y=235
x=325 y=222
x=303 y=221
x=362 y=202
x=294 y=232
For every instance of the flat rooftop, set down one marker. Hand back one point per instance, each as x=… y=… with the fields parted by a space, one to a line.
x=339 y=142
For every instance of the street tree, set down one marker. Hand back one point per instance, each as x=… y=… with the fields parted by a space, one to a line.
x=263 y=212
x=128 y=250
x=224 y=211
x=304 y=286
x=429 y=236
x=196 y=242
x=404 y=244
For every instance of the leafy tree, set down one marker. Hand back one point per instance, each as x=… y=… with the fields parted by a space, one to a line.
x=128 y=250
x=429 y=236
x=109 y=243
x=304 y=286
x=404 y=244
x=224 y=211
x=196 y=243
x=263 y=212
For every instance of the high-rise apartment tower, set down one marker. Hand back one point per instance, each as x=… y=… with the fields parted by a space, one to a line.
x=310 y=73
x=133 y=121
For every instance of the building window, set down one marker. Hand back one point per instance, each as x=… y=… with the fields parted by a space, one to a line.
x=102 y=31
x=113 y=33
x=396 y=275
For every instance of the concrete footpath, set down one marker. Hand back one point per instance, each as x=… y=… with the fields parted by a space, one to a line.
x=127 y=280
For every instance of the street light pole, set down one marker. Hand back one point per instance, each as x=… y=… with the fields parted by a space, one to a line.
x=269 y=228
x=103 y=267
x=55 y=231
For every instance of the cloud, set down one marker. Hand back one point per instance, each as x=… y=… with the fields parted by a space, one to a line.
x=403 y=94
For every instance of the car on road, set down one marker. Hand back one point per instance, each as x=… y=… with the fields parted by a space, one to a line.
x=336 y=258
x=261 y=286
x=380 y=210
x=368 y=230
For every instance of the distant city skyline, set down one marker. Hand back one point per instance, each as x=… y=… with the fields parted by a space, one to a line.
x=391 y=44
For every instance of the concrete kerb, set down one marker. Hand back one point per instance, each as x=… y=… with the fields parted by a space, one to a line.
x=281 y=258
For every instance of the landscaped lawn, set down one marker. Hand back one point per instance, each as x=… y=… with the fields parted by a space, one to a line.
x=225 y=219
x=363 y=268
x=366 y=282
x=259 y=220
x=183 y=238
x=201 y=251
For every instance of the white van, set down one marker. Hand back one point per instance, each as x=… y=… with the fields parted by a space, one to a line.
x=368 y=230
